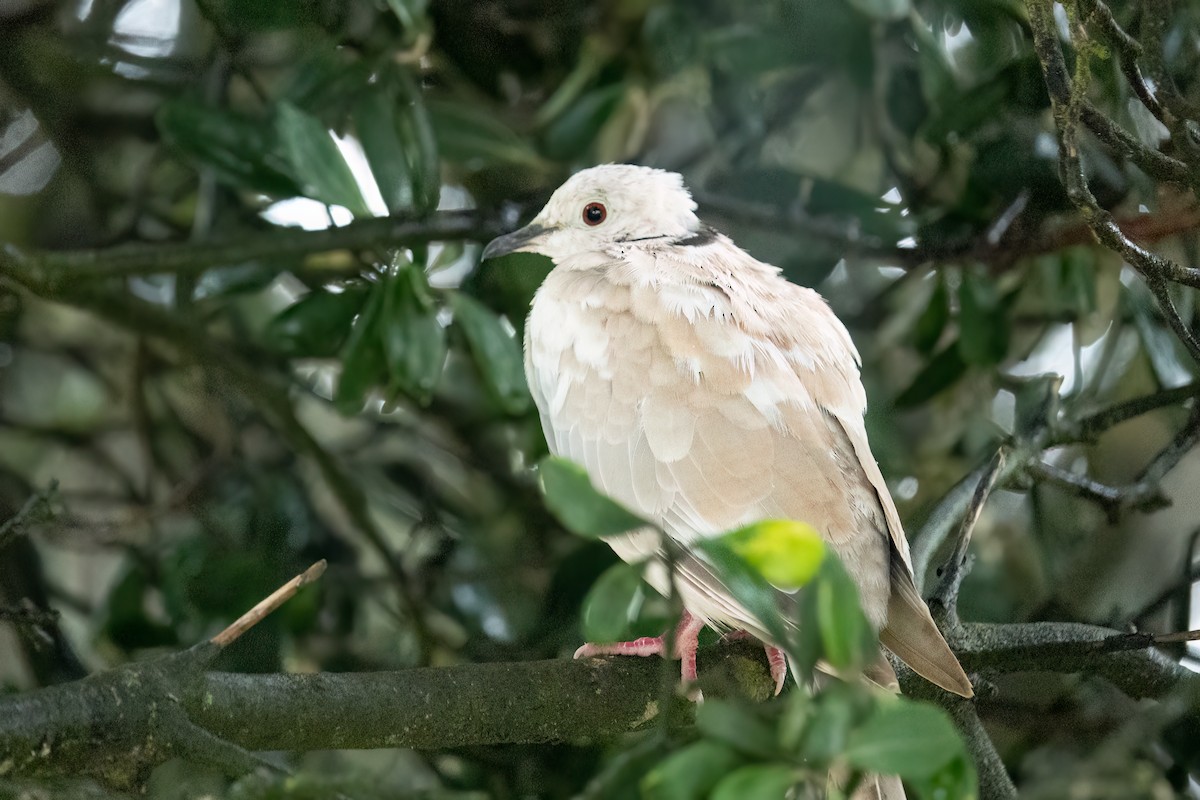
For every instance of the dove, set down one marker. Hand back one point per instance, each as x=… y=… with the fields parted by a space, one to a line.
x=702 y=390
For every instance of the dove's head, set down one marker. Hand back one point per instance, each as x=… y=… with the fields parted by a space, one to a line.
x=603 y=207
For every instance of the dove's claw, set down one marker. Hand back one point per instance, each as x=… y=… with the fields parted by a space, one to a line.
x=687 y=640
x=645 y=646
x=777 y=660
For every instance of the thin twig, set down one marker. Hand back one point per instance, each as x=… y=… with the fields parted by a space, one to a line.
x=268 y=604
x=1091 y=426
x=944 y=600
x=1066 y=96
x=17 y=523
x=1112 y=499
x=1128 y=51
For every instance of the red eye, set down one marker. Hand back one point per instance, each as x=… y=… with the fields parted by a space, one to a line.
x=594 y=213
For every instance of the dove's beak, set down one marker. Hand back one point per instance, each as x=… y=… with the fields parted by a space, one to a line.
x=524 y=240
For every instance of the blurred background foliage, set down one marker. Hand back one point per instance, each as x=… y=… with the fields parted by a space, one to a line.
x=245 y=397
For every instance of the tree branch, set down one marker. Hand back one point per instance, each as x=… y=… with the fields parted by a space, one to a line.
x=57 y=270
x=1066 y=97
x=943 y=603
x=136 y=714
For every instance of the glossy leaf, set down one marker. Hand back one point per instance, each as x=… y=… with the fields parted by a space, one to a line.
x=612 y=604
x=933 y=319
x=242 y=151
x=572 y=132
x=419 y=136
x=315 y=325
x=942 y=371
x=690 y=773
x=496 y=351
x=362 y=356
x=787 y=553
x=316 y=161
x=581 y=509
x=905 y=738
x=475 y=138
x=982 y=321
x=886 y=10
x=375 y=121
x=414 y=341
x=757 y=782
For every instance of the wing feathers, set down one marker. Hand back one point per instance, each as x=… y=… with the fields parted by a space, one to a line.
x=713 y=393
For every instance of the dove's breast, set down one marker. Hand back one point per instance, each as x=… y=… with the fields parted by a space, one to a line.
x=680 y=413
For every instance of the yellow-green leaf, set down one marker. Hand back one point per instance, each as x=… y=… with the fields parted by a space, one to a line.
x=787 y=553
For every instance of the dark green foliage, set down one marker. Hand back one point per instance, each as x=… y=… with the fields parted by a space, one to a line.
x=220 y=412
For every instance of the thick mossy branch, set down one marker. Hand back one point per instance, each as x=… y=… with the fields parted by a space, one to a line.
x=118 y=724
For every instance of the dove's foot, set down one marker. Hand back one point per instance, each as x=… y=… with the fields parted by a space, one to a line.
x=776 y=660
x=687 y=640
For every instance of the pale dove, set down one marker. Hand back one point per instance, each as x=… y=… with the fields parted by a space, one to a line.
x=702 y=390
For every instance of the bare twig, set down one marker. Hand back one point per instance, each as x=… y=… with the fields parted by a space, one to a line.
x=1128 y=51
x=38 y=504
x=953 y=506
x=944 y=599
x=1156 y=19
x=268 y=604
x=1091 y=426
x=1114 y=500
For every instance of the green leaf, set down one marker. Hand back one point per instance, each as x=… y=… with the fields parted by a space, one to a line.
x=571 y=133
x=747 y=584
x=757 y=782
x=612 y=603
x=496 y=352
x=315 y=325
x=982 y=321
x=942 y=371
x=316 y=161
x=833 y=715
x=831 y=604
x=882 y=9
x=737 y=725
x=690 y=773
x=956 y=779
x=787 y=553
x=474 y=137
x=378 y=131
x=362 y=356
x=905 y=738
x=933 y=319
x=243 y=152
x=414 y=342
x=581 y=509
x=419 y=137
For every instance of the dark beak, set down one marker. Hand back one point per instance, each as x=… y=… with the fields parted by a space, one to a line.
x=518 y=241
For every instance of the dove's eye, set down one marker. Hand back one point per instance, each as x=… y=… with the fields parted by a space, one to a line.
x=594 y=213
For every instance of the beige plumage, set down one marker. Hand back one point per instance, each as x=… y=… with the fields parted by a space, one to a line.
x=704 y=391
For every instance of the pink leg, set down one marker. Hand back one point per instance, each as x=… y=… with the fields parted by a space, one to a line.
x=776 y=659
x=687 y=640
x=779 y=666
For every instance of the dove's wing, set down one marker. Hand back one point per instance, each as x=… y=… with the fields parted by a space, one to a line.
x=719 y=396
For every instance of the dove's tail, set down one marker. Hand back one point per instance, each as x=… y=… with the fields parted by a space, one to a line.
x=912 y=635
